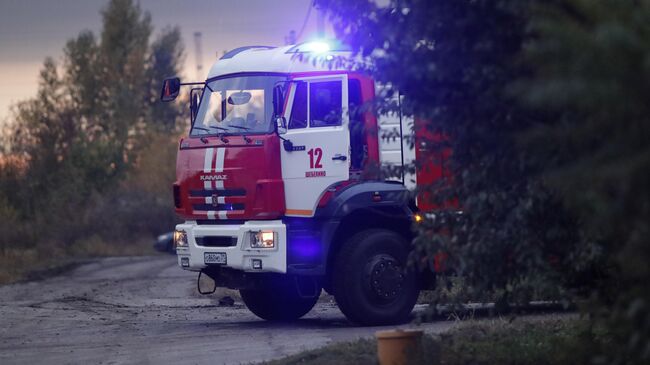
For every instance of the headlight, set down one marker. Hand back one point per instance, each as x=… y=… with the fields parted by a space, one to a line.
x=263 y=239
x=180 y=239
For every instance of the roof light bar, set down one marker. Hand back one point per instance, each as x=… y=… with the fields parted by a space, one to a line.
x=317 y=47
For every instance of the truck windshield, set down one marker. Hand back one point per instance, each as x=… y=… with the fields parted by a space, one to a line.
x=236 y=105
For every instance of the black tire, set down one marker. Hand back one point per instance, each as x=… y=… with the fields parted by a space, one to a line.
x=367 y=292
x=280 y=301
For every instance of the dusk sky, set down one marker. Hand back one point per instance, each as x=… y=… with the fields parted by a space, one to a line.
x=31 y=30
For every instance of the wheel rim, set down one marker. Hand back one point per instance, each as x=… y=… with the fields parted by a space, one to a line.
x=384 y=278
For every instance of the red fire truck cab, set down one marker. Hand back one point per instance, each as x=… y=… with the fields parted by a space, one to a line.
x=277 y=182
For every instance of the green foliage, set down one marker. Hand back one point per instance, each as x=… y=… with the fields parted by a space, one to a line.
x=550 y=341
x=70 y=155
x=592 y=68
x=8 y=222
x=452 y=61
x=544 y=105
x=165 y=57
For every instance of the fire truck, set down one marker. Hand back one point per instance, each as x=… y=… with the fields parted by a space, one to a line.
x=279 y=186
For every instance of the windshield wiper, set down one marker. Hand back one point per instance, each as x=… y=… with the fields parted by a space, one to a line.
x=240 y=127
x=220 y=135
x=203 y=139
x=219 y=128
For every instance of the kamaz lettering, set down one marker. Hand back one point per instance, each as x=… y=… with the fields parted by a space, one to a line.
x=213 y=177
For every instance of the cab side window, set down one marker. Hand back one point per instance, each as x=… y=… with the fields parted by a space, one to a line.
x=325 y=104
x=298 y=118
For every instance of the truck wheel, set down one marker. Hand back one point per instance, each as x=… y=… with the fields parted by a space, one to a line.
x=370 y=282
x=279 y=302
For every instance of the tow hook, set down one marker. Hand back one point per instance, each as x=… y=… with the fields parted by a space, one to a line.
x=205 y=283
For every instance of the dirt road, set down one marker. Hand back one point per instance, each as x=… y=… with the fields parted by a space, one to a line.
x=146 y=310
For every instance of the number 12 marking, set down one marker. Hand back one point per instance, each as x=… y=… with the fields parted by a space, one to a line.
x=315 y=153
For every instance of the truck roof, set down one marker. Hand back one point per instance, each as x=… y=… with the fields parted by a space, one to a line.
x=286 y=59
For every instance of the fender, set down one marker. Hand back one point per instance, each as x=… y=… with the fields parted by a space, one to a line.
x=383 y=197
x=369 y=204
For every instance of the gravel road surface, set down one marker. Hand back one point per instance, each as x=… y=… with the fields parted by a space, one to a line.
x=141 y=310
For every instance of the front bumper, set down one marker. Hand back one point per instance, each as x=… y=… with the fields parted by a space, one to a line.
x=239 y=256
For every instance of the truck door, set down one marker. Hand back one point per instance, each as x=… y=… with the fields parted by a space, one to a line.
x=317 y=126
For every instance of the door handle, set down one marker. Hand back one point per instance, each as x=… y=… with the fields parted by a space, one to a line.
x=339 y=157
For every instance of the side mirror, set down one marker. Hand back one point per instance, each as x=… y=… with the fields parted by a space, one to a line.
x=278 y=101
x=170 y=89
x=281 y=125
x=195 y=96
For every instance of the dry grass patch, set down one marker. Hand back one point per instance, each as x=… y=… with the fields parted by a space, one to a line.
x=43 y=260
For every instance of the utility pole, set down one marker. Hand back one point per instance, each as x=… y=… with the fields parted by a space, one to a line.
x=198 y=56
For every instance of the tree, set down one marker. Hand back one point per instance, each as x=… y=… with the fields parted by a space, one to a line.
x=545 y=107
x=93 y=120
x=591 y=69
x=453 y=61
x=164 y=61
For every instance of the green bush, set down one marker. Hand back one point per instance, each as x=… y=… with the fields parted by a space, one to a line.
x=544 y=105
x=75 y=158
x=453 y=61
x=592 y=70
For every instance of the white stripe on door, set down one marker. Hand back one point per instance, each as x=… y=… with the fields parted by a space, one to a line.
x=207 y=161
x=221 y=156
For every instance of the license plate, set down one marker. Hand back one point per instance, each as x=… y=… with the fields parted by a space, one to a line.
x=215 y=258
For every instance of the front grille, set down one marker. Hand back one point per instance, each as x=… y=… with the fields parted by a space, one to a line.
x=226 y=206
x=206 y=201
x=226 y=192
x=216 y=241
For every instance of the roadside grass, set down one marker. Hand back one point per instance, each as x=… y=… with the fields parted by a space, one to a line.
x=362 y=351
x=518 y=340
x=45 y=260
